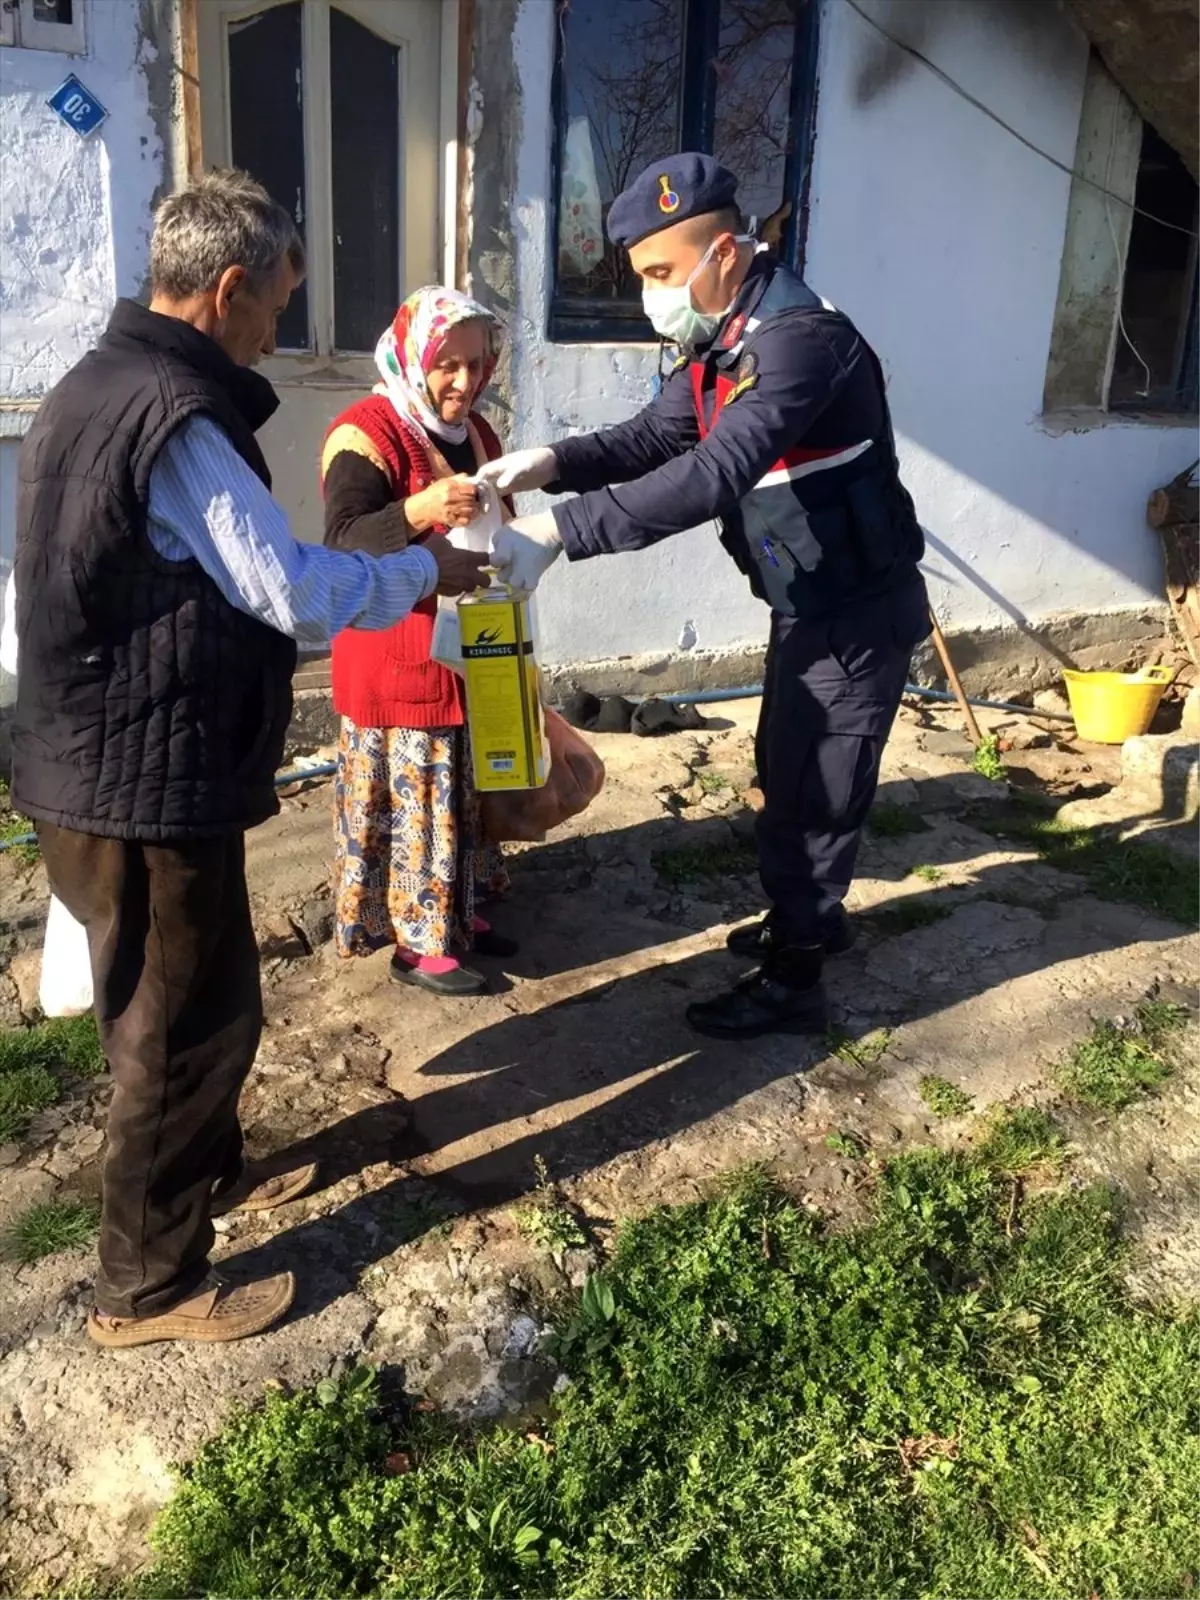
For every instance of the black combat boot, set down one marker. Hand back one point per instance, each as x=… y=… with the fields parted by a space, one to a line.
x=755 y=939
x=784 y=995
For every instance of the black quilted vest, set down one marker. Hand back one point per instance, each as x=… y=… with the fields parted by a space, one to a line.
x=147 y=706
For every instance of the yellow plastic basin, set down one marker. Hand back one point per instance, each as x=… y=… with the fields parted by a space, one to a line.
x=1110 y=707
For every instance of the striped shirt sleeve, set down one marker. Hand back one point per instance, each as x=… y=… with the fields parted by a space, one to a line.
x=206 y=504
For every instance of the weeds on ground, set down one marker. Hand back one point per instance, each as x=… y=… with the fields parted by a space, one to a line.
x=13 y=837
x=927 y=874
x=29 y=1059
x=712 y=782
x=954 y=1399
x=1117 y=1064
x=864 y=1052
x=1146 y=875
x=407 y=1219
x=547 y=1221
x=944 y=1099
x=908 y=914
x=695 y=863
x=13 y=827
x=1017 y=1139
x=46 y=1229
x=888 y=821
x=986 y=760
x=845 y=1144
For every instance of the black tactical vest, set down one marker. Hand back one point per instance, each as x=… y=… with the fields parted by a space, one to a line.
x=148 y=707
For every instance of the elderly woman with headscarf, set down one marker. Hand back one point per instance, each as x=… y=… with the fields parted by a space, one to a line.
x=411 y=861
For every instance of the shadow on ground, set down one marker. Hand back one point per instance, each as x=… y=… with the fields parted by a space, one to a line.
x=610 y=1067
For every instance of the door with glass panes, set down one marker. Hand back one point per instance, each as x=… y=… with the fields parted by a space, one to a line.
x=334 y=105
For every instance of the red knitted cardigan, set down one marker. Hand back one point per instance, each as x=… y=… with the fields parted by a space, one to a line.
x=385 y=678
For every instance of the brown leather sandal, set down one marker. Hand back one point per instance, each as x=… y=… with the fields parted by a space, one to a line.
x=254 y=1192
x=217 y=1313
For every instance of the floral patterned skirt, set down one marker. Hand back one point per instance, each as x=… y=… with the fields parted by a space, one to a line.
x=410 y=859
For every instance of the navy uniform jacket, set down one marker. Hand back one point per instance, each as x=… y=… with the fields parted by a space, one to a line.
x=780 y=430
x=654 y=476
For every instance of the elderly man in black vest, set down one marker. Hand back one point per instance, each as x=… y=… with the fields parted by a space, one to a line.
x=160 y=598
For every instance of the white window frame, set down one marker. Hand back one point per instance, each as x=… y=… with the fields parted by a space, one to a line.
x=20 y=28
x=386 y=19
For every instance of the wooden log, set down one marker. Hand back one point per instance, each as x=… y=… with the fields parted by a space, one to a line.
x=1174 y=513
x=1176 y=504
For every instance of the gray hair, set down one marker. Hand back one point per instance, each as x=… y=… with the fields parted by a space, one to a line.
x=223 y=219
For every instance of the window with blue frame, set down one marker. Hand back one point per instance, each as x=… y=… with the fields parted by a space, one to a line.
x=639 y=79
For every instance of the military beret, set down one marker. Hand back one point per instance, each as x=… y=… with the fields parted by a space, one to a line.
x=670 y=191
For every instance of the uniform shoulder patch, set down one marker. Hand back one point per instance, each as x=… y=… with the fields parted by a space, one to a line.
x=744 y=378
x=680 y=361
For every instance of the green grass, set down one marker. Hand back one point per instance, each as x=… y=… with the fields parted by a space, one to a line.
x=944 y=1099
x=29 y=1061
x=888 y=821
x=1147 y=875
x=23 y=1092
x=46 y=1229
x=952 y=1400
x=986 y=760
x=14 y=827
x=70 y=1042
x=927 y=874
x=698 y=863
x=1016 y=1139
x=1116 y=1065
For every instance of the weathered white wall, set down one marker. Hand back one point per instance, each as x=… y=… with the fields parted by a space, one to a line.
x=74 y=213
x=942 y=236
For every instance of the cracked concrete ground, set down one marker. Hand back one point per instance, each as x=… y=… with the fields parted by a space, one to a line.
x=976 y=962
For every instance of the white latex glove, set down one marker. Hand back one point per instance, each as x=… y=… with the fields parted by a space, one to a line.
x=522 y=550
x=521 y=471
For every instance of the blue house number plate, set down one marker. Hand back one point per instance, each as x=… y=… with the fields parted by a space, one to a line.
x=78 y=109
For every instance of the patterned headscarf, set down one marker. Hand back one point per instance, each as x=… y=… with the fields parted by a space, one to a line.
x=408 y=351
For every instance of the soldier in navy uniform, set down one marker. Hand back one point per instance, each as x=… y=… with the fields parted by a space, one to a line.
x=774 y=422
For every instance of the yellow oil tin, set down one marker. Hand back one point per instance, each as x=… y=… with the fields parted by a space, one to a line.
x=504 y=703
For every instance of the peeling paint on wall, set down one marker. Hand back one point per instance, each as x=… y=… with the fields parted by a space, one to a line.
x=75 y=214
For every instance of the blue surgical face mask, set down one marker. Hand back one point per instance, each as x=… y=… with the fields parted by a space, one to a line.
x=671 y=312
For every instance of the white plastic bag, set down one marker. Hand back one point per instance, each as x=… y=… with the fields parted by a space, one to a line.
x=66 y=984
x=8 y=633
x=484 y=525
x=446 y=646
x=478 y=534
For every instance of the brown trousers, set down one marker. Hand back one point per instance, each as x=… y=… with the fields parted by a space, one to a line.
x=179 y=1007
